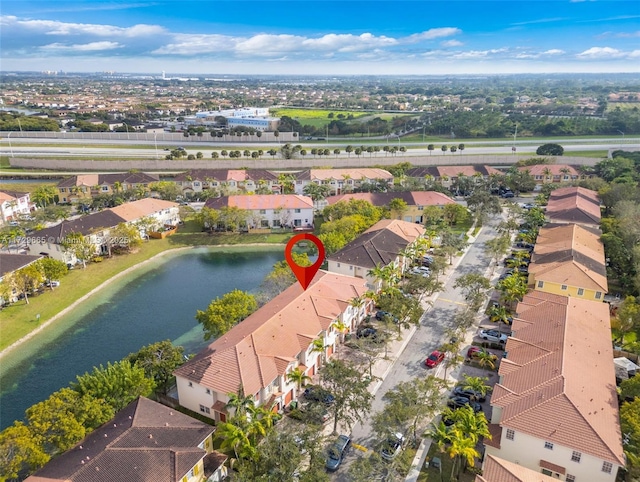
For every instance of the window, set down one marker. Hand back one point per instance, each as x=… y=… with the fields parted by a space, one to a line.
x=563 y=287
x=297 y=211
x=208 y=392
x=607 y=467
x=547 y=472
x=598 y=295
x=62 y=189
x=576 y=456
x=510 y=434
x=540 y=284
x=580 y=291
x=548 y=445
x=263 y=211
x=204 y=409
x=190 y=384
x=105 y=188
x=338 y=264
x=570 y=478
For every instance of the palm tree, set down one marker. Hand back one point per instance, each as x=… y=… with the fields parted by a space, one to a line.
x=298 y=376
x=477 y=384
x=235 y=438
x=440 y=435
x=462 y=449
x=486 y=359
x=341 y=327
x=318 y=346
x=240 y=403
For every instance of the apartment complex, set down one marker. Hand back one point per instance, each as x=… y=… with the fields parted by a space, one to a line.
x=256 y=355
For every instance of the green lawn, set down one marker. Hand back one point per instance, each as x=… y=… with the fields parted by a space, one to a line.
x=432 y=474
x=19 y=319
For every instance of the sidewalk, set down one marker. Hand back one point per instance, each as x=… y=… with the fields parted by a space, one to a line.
x=383 y=366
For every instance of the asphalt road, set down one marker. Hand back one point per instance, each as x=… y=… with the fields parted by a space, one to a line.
x=96 y=148
x=430 y=335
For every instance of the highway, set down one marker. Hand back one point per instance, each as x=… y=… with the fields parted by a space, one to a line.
x=91 y=148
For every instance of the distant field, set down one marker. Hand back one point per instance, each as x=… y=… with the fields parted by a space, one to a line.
x=316 y=118
x=623 y=105
x=27 y=186
x=594 y=154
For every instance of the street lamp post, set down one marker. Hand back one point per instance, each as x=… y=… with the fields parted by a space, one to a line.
x=155 y=140
x=9 y=139
x=622 y=136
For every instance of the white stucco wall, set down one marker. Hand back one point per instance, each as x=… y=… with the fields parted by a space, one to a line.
x=527 y=451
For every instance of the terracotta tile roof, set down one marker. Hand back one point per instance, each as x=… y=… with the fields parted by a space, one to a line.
x=372 y=248
x=222 y=175
x=259 y=201
x=144 y=441
x=450 y=171
x=416 y=198
x=553 y=394
x=251 y=354
x=570 y=254
x=11 y=195
x=554 y=170
x=143 y=207
x=409 y=231
x=355 y=174
x=574 y=204
x=90 y=180
x=495 y=469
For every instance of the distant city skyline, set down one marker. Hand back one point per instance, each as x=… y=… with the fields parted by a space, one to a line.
x=377 y=37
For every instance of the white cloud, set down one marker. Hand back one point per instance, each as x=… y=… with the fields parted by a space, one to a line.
x=600 y=53
x=451 y=43
x=432 y=34
x=634 y=54
x=90 y=47
x=628 y=34
x=54 y=27
x=553 y=52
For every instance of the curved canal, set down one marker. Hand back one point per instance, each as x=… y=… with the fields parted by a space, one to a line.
x=154 y=303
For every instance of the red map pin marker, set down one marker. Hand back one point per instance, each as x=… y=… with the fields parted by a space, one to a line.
x=304 y=274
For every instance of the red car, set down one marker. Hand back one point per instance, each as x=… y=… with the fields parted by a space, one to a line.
x=434 y=359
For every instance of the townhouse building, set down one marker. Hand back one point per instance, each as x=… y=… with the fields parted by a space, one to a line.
x=9 y=264
x=415 y=200
x=227 y=181
x=569 y=260
x=379 y=246
x=448 y=176
x=269 y=211
x=555 y=406
x=341 y=180
x=552 y=173
x=94 y=227
x=158 y=212
x=495 y=469
x=257 y=354
x=84 y=187
x=13 y=205
x=574 y=205
x=144 y=441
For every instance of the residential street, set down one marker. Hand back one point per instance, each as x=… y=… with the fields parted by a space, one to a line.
x=430 y=335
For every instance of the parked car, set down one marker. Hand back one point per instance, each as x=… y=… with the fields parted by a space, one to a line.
x=52 y=283
x=392 y=446
x=458 y=402
x=383 y=315
x=318 y=394
x=367 y=331
x=494 y=336
x=523 y=245
x=336 y=452
x=434 y=359
x=470 y=394
x=473 y=352
x=507 y=194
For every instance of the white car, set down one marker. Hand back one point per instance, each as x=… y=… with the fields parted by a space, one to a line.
x=494 y=336
x=392 y=446
x=52 y=284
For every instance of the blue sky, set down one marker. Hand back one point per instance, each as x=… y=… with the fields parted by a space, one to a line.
x=321 y=37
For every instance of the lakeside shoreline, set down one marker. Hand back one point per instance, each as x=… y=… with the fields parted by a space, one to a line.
x=43 y=325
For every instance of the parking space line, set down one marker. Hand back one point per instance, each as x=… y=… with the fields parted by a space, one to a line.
x=451 y=301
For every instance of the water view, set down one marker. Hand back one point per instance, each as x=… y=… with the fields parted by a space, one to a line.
x=155 y=303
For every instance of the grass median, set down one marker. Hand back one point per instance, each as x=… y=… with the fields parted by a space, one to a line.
x=19 y=319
